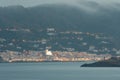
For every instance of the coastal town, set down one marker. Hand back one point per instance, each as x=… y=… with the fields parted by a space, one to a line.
x=53 y=45
x=55 y=56
x=59 y=39
x=20 y=40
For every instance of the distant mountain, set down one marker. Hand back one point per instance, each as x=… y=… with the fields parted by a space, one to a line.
x=60 y=17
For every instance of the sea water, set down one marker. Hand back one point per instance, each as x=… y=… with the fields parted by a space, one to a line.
x=56 y=71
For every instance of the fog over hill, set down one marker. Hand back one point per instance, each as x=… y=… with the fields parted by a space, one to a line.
x=28 y=3
x=70 y=15
x=100 y=19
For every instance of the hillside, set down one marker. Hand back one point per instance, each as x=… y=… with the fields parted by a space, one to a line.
x=46 y=25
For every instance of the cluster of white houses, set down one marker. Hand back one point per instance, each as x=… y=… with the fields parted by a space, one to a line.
x=40 y=56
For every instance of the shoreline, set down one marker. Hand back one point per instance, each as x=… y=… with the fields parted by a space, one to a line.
x=45 y=61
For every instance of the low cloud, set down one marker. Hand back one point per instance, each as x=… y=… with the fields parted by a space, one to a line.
x=28 y=3
x=89 y=5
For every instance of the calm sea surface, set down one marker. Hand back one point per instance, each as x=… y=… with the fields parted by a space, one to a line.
x=55 y=71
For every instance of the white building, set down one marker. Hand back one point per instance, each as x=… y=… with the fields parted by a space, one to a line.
x=48 y=53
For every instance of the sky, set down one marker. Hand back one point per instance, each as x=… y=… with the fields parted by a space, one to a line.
x=29 y=3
